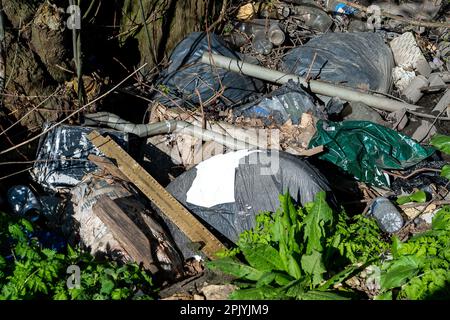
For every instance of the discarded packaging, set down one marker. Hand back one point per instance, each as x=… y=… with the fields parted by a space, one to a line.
x=313 y=17
x=288 y=102
x=188 y=83
x=408 y=55
x=387 y=215
x=227 y=191
x=24 y=202
x=364 y=149
x=62 y=158
x=413 y=92
x=359 y=60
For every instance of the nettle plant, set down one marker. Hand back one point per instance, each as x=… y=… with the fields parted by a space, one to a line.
x=29 y=271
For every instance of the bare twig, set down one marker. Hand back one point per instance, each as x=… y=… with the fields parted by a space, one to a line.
x=27 y=114
x=412 y=173
x=222 y=14
x=15 y=173
x=75 y=112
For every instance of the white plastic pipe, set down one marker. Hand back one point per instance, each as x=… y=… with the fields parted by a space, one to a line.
x=319 y=87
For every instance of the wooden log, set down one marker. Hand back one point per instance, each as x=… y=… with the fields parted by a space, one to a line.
x=130 y=237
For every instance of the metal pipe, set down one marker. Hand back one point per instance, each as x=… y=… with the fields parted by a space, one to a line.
x=319 y=87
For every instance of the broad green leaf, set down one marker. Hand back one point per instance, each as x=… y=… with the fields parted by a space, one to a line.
x=403 y=199
x=445 y=172
x=441 y=142
x=27 y=225
x=316 y=221
x=293 y=267
x=235 y=268
x=384 y=296
x=339 y=277
x=16 y=232
x=263 y=293
x=107 y=286
x=313 y=265
x=266 y=279
x=263 y=257
x=400 y=271
x=322 y=295
x=419 y=196
x=283 y=279
x=396 y=246
x=441 y=221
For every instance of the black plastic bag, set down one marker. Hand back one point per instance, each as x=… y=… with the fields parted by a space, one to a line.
x=178 y=84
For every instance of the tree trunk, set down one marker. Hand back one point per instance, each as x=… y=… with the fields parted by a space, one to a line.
x=167 y=23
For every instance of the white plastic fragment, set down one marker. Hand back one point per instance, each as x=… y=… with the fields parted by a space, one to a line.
x=408 y=54
x=444 y=103
x=402 y=78
x=214 y=183
x=413 y=92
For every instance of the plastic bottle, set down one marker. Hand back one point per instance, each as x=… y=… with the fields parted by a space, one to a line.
x=387 y=215
x=276 y=35
x=260 y=42
x=314 y=17
x=23 y=202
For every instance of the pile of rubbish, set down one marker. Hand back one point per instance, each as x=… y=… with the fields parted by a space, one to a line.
x=297 y=96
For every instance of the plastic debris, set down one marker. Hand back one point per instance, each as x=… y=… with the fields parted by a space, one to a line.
x=228 y=191
x=360 y=111
x=359 y=60
x=24 y=202
x=408 y=55
x=364 y=149
x=288 y=102
x=62 y=158
x=388 y=217
x=443 y=103
x=187 y=82
x=413 y=92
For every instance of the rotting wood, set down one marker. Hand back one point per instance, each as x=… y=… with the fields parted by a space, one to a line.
x=168 y=205
x=130 y=237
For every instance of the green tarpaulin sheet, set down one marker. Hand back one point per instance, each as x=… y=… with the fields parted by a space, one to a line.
x=364 y=149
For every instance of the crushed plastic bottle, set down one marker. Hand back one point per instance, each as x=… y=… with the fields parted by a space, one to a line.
x=387 y=215
x=261 y=44
x=24 y=203
x=314 y=17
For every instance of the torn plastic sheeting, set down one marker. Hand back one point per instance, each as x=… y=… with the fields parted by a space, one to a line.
x=289 y=101
x=364 y=149
x=358 y=60
x=62 y=158
x=186 y=74
x=256 y=188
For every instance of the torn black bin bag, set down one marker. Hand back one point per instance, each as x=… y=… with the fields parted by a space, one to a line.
x=359 y=60
x=178 y=84
x=226 y=192
x=62 y=159
x=289 y=101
